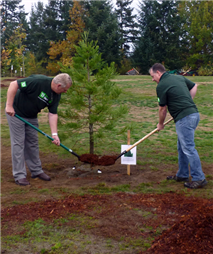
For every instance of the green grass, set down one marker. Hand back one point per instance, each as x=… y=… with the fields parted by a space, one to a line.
x=19 y=191
x=142 y=96
x=66 y=236
x=71 y=234
x=139 y=93
x=102 y=188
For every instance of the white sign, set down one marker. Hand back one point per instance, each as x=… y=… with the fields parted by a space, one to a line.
x=128 y=158
x=11 y=67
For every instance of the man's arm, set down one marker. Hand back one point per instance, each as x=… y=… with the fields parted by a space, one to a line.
x=11 y=93
x=193 y=91
x=53 y=122
x=162 y=116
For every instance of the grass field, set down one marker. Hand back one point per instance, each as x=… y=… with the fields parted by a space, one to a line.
x=72 y=234
x=140 y=96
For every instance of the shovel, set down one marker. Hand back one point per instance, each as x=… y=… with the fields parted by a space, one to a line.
x=66 y=148
x=139 y=141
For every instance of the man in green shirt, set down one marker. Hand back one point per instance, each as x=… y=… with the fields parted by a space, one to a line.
x=176 y=94
x=27 y=97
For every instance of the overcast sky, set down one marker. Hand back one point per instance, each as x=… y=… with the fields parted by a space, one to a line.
x=29 y=3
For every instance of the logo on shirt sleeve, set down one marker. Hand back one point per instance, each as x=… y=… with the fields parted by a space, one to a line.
x=158 y=99
x=23 y=84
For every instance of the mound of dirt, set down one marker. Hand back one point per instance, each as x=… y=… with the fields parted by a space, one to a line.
x=192 y=234
x=94 y=159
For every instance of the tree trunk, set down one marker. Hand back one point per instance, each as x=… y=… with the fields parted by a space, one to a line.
x=91 y=139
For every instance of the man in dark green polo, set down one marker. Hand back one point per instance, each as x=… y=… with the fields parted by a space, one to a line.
x=27 y=97
x=176 y=94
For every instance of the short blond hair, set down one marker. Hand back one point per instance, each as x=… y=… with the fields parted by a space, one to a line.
x=63 y=79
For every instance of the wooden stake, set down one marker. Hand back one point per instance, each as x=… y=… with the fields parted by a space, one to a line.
x=128 y=143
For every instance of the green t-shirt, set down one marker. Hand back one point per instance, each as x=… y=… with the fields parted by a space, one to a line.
x=173 y=91
x=33 y=95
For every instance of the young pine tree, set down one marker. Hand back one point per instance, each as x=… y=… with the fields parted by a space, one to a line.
x=90 y=100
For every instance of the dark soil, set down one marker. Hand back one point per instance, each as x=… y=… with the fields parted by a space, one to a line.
x=94 y=159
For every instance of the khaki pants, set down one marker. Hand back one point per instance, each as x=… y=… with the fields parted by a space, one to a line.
x=24 y=147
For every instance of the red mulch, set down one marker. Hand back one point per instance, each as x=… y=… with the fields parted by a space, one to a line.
x=189 y=219
x=192 y=234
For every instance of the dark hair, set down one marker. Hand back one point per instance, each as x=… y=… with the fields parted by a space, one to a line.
x=158 y=67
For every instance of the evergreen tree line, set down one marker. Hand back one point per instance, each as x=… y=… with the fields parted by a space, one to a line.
x=178 y=34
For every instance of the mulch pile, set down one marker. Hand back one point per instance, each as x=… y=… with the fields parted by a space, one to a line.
x=94 y=159
x=193 y=233
x=189 y=220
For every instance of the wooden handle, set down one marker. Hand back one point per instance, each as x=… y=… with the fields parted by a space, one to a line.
x=148 y=135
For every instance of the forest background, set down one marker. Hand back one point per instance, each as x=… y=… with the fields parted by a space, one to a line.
x=178 y=34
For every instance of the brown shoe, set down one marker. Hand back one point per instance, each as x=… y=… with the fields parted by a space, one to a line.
x=22 y=181
x=42 y=176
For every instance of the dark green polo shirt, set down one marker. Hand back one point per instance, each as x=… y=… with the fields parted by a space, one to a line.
x=173 y=91
x=33 y=95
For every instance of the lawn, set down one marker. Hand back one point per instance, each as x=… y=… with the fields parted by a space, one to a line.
x=83 y=211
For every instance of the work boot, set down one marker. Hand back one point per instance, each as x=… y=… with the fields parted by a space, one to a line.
x=42 y=176
x=22 y=181
x=196 y=184
x=178 y=179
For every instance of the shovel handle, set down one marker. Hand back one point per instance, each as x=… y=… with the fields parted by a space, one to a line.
x=46 y=135
x=148 y=135
x=34 y=127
